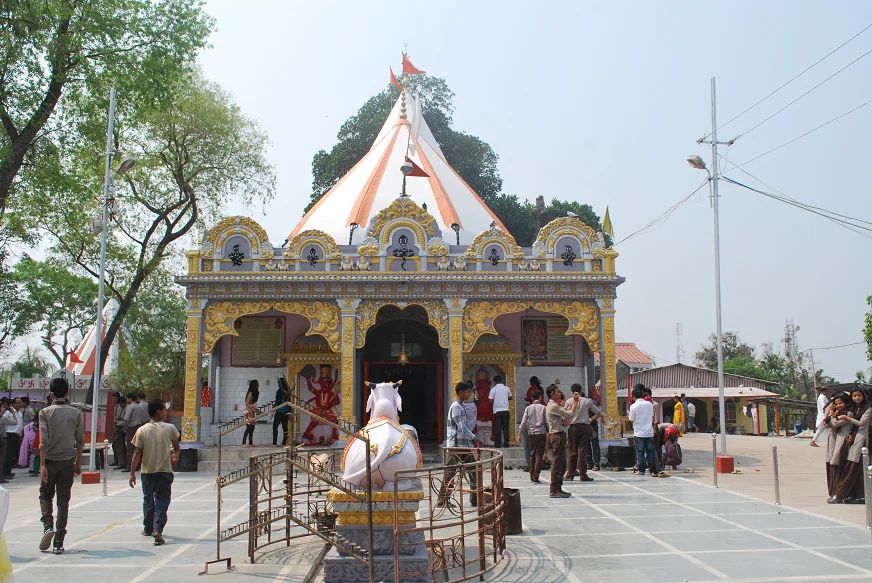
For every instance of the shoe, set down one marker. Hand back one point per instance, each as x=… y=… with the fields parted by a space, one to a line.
x=47 y=538
x=568 y=478
x=565 y=493
x=143 y=533
x=122 y=469
x=159 y=539
x=595 y=469
x=586 y=479
x=58 y=547
x=835 y=500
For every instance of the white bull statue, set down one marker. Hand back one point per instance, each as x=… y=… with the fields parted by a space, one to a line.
x=391 y=447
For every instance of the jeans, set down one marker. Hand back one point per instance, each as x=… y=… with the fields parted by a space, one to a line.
x=645 y=448
x=59 y=481
x=501 y=429
x=280 y=419
x=157 y=490
x=248 y=434
x=454 y=473
x=593 y=453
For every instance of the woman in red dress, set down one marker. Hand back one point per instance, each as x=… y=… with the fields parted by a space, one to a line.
x=535 y=384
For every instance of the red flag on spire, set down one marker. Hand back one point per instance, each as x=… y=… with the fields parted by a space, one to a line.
x=395 y=82
x=74 y=358
x=409 y=68
x=416 y=170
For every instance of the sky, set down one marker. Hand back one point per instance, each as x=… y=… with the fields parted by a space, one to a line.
x=602 y=103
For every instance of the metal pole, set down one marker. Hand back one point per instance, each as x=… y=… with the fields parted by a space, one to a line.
x=105 y=466
x=369 y=540
x=777 y=483
x=867 y=488
x=96 y=379
x=715 y=460
x=720 y=339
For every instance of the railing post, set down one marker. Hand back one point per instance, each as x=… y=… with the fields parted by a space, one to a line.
x=777 y=482
x=867 y=487
x=715 y=460
x=105 y=467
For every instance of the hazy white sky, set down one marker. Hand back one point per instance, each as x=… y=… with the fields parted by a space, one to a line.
x=601 y=103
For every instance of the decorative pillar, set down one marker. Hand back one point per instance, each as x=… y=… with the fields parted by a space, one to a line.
x=510 y=381
x=348 y=313
x=608 y=372
x=190 y=417
x=455 y=337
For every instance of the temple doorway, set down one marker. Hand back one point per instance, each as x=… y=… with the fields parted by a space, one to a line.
x=422 y=372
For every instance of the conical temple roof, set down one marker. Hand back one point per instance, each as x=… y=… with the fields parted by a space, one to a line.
x=376 y=181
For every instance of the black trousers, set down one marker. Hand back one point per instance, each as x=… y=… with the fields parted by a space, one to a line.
x=13 y=442
x=280 y=419
x=119 y=447
x=3 y=444
x=501 y=429
x=128 y=437
x=60 y=477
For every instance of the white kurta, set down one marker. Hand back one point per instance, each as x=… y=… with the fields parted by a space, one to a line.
x=821 y=430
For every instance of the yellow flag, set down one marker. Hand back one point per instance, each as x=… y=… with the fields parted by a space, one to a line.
x=607 y=224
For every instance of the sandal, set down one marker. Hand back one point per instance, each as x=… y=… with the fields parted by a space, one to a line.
x=159 y=539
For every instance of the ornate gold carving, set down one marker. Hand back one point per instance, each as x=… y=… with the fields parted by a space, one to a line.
x=323 y=318
x=339 y=496
x=380 y=518
x=403 y=208
x=456 y=324
x=348 y=367
x=437 y=314
x=498 y=236
x=550 y=233
x=237 y=225
x=398 y=447
x=491 y=348
x=479 y=317
x=437 y=247
x=506 y=363
x=192 y=373
x=611 y=380
x=368 y=247
x=320 y=238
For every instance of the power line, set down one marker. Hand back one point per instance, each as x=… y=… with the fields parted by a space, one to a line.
x=806 y=70
x=803 y=95
x=839 y=346
x=803 y=135
x=663 y=217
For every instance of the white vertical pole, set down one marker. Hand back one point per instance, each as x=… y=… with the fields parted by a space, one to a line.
x=720 y=339
x=92 y=464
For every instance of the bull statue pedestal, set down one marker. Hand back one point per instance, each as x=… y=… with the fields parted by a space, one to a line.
x=351 y=525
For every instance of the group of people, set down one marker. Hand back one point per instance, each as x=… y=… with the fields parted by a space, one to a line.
x=60 y=441
x=843 y=427
x=17 y=435
x=656 y=442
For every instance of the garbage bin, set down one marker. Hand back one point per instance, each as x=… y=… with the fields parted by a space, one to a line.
x=187 y=461
x=512 y=510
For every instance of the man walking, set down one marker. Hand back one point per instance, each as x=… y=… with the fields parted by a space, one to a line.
x=5 y=421
x=14 y=429
x=61 y=441
x=642 y=417
x=156 y=444
x=580 y=433
x=119 y=443
x=556 y=413
x=458 y=434
x=499 y=396
x=533 y=424
x=691 y=413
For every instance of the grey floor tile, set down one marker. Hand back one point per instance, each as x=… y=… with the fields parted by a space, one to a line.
x=720 y=541
x=655 y=524
x=762 y=564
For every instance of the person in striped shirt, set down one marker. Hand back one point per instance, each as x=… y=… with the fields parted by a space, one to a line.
x=458 y=434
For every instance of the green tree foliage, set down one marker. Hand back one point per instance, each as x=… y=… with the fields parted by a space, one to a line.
x=55 y=303
x=733 y=348
x=57 y=53
x=153 y=358
x=196 y=151
x=10 y=300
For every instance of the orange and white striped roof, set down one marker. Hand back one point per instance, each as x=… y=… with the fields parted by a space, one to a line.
x=376 y=181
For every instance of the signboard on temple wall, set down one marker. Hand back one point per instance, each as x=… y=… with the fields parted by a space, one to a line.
x=546 y=342
x=259 y=342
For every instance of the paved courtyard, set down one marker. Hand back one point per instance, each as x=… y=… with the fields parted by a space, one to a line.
x=621 y=527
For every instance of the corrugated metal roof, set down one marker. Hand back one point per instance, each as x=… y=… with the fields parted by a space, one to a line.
x=682 y=376
x=629 y=353
x=712 y=392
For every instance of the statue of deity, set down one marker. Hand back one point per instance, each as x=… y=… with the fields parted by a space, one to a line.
x=482 y=391
x=326 y=397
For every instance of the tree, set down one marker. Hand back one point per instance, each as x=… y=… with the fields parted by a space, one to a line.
x=10 y=300
x=57 y=304
x=733 y=348
x=196 y=151
x=57 y=52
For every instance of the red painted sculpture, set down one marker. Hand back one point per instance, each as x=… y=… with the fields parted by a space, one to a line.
x=326 y=396
x=482 y=389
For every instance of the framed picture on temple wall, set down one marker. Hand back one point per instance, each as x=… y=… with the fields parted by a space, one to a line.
x=258 y=343
x=545 y=341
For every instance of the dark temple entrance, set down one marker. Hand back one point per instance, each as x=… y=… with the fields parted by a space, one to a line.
x=422 y=375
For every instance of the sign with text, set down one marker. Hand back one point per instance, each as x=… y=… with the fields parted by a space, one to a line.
x=546 y=343
x=259 y=341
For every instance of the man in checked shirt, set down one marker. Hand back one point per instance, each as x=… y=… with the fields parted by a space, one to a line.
x=458 y=434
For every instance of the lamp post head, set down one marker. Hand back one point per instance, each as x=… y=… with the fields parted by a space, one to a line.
x=696 y=162
x=127 y=164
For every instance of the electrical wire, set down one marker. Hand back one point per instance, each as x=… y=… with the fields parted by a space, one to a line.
x=839 y=346
x=803 y=135
x=662 y=218
x=745 y=133
x=806 y=70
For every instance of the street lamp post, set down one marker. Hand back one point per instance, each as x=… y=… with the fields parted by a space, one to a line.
x=699 y=164
x=126 y=166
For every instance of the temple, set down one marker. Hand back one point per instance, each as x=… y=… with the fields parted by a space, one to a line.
x=400 y=272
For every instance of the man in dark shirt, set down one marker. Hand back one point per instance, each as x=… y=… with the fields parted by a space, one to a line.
x=61 y=441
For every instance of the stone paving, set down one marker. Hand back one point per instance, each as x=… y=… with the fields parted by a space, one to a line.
x=620 y=527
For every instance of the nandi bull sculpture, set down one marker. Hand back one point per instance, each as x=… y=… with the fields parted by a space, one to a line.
x=391 y=446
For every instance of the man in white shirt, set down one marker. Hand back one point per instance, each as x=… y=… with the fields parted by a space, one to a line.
x=642 y=416
x=13 y=437
x=691 y=413
x=822 y=432
x=499 y=396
